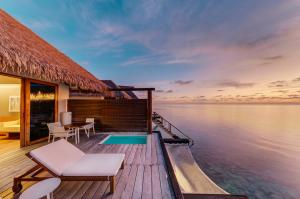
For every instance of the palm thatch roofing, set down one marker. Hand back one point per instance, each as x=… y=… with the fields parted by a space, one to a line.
x=25 y=54
x=130 y=93
x=84 y=93
x=115 y=94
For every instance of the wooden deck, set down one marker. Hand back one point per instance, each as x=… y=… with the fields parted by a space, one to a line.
x=144 y=175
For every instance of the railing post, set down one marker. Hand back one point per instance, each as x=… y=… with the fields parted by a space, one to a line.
x=149 y=118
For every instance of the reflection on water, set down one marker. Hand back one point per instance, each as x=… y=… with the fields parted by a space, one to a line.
x=246 y=149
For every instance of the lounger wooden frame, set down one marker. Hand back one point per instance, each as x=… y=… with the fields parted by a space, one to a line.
x=17 y=186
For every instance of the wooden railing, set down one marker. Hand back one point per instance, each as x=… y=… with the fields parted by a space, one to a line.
x=171 y=129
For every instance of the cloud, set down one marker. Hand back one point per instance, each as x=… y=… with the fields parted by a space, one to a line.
x=182 y=82
x=163 y=91
x=281 y=91
x=279 y=83
x=259 y=41
x=40 y=24
x=294 y=96
x=234 y=84
x=144 y=60
x=294 y=83
x=218 y=96
x=272 y=58
x=296 y=79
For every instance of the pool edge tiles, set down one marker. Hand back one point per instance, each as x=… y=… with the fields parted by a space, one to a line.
x=125 y=139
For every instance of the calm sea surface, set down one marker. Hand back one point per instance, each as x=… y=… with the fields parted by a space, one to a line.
x=246 y=149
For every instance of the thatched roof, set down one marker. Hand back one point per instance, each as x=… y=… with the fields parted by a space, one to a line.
x=118 y=94
x=110 y=83
x=82 y=93
x=129 y=93
x=23 y=53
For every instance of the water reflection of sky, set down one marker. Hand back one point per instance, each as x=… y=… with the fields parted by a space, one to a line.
x=252 y=149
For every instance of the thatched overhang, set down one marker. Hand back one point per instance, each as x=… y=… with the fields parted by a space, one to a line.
x=114 y=94
x=82 y=93
x=25 y=54
x=130 y=93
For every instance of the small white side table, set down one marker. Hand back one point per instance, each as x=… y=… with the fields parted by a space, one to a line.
x=40 y=189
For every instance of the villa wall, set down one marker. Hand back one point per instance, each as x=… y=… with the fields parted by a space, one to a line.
x=111 y=115
x=63 y=96
x=7 y=90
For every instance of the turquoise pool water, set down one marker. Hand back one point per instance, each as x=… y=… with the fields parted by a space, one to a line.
x=125 y=139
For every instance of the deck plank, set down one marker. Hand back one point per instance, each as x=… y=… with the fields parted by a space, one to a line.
x=138 y=154
x=147 y=185
x=165 y=186
x=132 y=154
x=160 y=156
x=127 y=193
x=103 y=190
x=138 y=186
x=156 y=187
x=153 y=150
x=148 y=150
x=82 y=190
x=122 y=183
x=143 y=154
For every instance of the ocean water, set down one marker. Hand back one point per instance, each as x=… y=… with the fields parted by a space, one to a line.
x=246 y=149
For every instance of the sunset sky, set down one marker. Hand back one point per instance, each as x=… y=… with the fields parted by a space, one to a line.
x=190 y=51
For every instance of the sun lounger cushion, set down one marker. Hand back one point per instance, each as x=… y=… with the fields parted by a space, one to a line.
x=96 y=165
x=64 y=159
x=57 y=156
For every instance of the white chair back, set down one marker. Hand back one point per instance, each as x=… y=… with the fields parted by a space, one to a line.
x=51 y=126
x=59 y=129
x=90 y=120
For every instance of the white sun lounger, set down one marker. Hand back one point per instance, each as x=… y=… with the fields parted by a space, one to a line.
x=67 y=162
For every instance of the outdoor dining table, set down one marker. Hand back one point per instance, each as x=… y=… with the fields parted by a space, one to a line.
x=76 y=127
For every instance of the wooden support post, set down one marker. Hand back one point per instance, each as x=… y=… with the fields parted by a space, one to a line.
x=22 y=115
x=112 y=184
x=149 y=113
x=27 y=112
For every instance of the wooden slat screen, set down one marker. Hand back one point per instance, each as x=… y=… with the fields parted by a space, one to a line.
x=111 y=114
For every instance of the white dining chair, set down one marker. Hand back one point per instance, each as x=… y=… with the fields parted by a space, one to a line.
x=89 y=126
x=91 y=122
x=51 y=129
x=58 y=131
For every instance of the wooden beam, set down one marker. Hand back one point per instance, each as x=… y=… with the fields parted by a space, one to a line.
x=149 y=111
x=22 y=115
x=131 y=89
x=56 y=103
x=27 y=112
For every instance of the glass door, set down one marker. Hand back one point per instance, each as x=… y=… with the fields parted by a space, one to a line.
x=42 y=109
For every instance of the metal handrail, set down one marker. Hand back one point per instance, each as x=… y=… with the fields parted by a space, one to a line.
x=155 y=115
